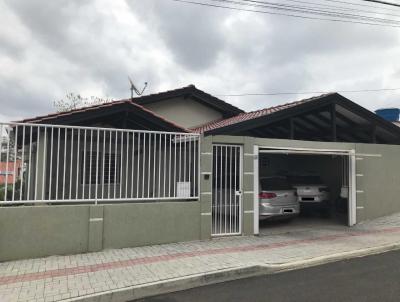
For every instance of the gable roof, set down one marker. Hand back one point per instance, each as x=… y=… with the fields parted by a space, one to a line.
x=226 y=109
x=80 y=115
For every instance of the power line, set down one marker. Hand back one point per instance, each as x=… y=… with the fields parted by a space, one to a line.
x=335 y=7
x=306 y=10
x=283 y=14
x=354 y=4
x=307 y=92
x=350 y=5
x=383 y=2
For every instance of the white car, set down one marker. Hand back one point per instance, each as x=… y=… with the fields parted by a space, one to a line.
x=311 y=191
x=277 y=198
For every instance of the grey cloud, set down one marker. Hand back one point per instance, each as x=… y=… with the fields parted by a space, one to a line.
x=18 y=101
x=78 y=46
x=193 y=34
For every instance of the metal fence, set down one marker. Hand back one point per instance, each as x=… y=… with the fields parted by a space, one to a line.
x=63 y=164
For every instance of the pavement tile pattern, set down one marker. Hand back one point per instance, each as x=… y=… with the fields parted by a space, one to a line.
x=58 y=278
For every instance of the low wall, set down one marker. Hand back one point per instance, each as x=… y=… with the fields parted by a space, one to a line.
x=38 y=231
x=378 y=181
x=27 y=232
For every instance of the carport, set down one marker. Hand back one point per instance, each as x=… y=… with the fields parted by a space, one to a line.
x=330 y=129
x=336 y=168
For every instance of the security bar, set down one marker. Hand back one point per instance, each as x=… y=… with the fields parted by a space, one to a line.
x=72 y=164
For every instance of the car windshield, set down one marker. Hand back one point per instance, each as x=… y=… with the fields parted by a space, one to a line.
x=305 y=179
x=274 y=183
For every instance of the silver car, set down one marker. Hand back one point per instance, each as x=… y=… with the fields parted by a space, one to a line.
x=277 y=198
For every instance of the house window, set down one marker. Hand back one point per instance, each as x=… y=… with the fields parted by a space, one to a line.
x=89 y=168
x=112 y=163
x=109 y=173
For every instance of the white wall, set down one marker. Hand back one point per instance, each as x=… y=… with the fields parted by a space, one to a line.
x=185 y=112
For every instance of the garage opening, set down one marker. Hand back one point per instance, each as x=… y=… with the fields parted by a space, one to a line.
x=303 y=189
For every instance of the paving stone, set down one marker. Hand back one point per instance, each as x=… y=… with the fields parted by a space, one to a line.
x=62 y=277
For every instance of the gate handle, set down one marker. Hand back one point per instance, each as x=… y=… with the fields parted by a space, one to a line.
x=238 y=193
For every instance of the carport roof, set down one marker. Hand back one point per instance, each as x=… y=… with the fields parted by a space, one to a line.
x=328 y=117
x=248 y=116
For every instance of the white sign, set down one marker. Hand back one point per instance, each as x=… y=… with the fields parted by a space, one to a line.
x=183 y=189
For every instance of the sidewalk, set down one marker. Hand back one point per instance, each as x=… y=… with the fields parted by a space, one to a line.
x=130 y=273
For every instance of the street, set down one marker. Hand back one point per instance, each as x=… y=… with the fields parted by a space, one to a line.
x=372 y=278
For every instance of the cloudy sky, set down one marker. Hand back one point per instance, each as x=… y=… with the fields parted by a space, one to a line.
x=50 y=48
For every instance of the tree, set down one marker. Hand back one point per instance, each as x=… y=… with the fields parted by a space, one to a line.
x=74 y=101
x=7 y=142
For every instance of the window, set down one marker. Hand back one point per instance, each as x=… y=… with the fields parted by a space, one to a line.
x=110 y=173
x=112 y=163
x=89 y=168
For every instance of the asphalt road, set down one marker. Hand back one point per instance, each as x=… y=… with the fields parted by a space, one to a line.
x=372 y=278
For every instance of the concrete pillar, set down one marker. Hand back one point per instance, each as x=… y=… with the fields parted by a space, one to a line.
x=205 y=187
x=96 y=215
x=248 y=194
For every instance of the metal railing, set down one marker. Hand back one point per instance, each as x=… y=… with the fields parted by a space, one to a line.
x=65 y=164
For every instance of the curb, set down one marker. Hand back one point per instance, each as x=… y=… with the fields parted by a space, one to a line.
x=230 y=274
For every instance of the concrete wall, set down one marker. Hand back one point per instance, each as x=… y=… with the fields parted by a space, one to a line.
x=185 y=112
x=47 y=230
x=378 y=181
x=27 y=232
x=37 y=231
x=150 y=223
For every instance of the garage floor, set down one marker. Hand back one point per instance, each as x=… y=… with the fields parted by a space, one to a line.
x=300 y=224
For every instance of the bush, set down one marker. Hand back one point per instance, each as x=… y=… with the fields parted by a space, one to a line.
x=10 y=190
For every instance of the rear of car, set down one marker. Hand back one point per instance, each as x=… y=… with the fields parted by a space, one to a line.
x=277 y=198
x=312 y=193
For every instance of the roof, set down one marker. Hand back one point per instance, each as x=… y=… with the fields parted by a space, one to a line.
x=65 y=117
x=328 y=117
x=227 y=110
x=252 y=115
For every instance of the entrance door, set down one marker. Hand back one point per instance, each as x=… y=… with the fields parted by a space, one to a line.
x=227 y=190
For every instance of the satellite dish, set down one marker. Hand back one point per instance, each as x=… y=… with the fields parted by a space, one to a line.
x=134 y=89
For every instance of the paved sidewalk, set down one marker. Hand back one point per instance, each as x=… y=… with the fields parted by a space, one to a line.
x=121 y=274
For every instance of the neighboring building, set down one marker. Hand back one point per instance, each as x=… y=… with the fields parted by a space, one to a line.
x=184 y=165
x=10 y=172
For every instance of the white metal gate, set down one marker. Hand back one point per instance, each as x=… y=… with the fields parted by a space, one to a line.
x=227 y=190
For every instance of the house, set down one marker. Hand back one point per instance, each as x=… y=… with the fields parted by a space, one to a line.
x=10 y=172
x=184 y=165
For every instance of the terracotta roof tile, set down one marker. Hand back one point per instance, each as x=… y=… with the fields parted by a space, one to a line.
x=251 y=115
x=44 y=118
